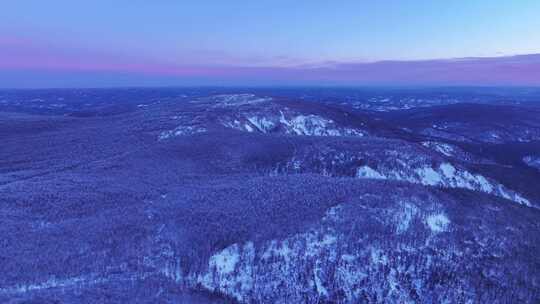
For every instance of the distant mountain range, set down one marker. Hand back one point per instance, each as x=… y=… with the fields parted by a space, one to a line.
x=27 y=70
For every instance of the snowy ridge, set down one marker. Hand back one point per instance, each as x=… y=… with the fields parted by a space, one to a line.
x=181 y=130
x=327 y=264
x=408 y=164
x=315 y=125
x=264 y=117
x=291 y=123
x=445 y=175
x=443 y=148
x=228 y=100
x=453 y=151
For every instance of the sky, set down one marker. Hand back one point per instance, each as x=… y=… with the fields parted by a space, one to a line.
x=66 y=43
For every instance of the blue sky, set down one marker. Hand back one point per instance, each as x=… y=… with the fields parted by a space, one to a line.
x=140 y=36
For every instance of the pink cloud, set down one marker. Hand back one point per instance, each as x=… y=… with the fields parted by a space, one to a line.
x=21 y=54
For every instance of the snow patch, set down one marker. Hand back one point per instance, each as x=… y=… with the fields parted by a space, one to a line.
x=428 y=176
x=368 y=172
x=263 y=124
x=230 y=271
x=442 y=148
x=181 y=130
x=438 y=222
x=225 y=261
x=404 y=217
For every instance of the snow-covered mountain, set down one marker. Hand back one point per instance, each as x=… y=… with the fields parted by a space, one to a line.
x=392 y=160
x=335 y=263
x=443 y=175
x=268 y=196
x=250 y=113
x=290 y=123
